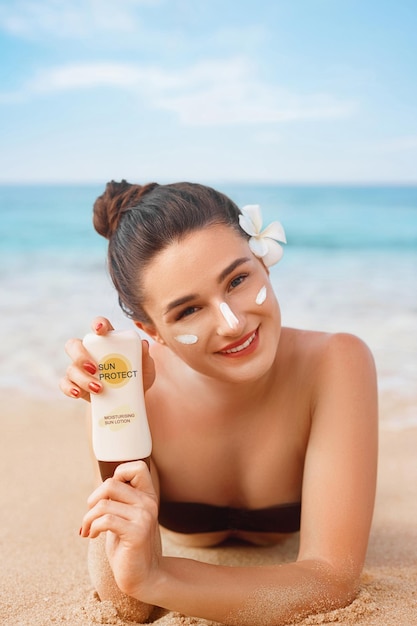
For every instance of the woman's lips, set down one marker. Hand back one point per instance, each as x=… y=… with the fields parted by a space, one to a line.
x=244 y=346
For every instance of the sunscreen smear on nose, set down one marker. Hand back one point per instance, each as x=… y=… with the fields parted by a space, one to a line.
x=120 y=429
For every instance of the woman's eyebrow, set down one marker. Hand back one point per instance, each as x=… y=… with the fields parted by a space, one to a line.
x=193 y=296
x=230 y=268
x=180 y=302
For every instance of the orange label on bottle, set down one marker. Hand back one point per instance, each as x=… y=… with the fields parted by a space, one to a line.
x=115 y=370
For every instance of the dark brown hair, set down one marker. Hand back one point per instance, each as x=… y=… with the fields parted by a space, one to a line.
x=140 y=221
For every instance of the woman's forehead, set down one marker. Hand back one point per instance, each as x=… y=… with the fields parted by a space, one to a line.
x=189 y=263
x=211 y=246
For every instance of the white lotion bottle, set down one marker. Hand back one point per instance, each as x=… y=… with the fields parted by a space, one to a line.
x=120 y=429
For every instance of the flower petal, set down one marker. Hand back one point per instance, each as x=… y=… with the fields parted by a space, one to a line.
x=274 y=254
x=262 y=243
x=258 y=246
x=247 y=225
x=253 y=212
x=275 y=230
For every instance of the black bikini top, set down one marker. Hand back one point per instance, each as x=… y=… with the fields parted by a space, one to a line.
x=194 y=517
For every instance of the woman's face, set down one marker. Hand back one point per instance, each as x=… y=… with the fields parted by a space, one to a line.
x=211 y=301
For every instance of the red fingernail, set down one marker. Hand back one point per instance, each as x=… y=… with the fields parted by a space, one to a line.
x=99 y=326
x=75 y=392
x=90 y=367
x=94 y=387
x=80 y=531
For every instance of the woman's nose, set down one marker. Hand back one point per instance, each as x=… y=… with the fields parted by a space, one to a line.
x=229 y=323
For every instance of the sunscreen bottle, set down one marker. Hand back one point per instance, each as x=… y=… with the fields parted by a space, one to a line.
x=120 y=429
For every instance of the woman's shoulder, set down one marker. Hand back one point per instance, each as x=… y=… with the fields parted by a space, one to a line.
x=347 y=354
x=319 y=353
x=323 y=342
x=335 y=361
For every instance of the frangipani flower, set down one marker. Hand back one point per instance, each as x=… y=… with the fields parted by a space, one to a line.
x=263 y=243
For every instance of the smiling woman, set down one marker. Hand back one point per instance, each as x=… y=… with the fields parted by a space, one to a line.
x=259 y=431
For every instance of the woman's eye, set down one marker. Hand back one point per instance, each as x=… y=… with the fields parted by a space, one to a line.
x=237 y=281
x=186 y=312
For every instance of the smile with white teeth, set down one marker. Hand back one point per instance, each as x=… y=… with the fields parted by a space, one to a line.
x=242 y=346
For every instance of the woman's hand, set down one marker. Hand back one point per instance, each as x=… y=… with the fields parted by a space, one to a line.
x=127 y=506
x=81 y=377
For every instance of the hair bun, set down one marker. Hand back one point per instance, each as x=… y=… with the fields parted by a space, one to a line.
x=116 y=199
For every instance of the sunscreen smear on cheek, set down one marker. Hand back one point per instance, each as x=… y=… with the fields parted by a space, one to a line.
x=187 y=340
x=120 y=429
x=261 y=296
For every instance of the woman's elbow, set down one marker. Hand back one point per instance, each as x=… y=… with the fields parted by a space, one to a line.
x=333 y=588
x=341 y=587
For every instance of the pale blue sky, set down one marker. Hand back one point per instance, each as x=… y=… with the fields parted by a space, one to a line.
x=208 y=90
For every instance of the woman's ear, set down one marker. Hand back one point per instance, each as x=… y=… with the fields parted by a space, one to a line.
x=150 y=330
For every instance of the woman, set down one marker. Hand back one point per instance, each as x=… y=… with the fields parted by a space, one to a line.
x=258 y=430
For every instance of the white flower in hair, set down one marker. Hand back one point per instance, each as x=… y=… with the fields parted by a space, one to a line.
x=263 y=243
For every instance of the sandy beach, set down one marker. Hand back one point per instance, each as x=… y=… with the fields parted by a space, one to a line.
x=46 y=476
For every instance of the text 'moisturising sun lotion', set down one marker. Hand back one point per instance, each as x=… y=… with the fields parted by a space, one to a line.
x=120 y=429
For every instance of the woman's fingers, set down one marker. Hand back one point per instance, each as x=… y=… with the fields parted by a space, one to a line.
x=103 y=516
x=81 y=375
x=115 y=523
x=131 y=482
x=72 y=389
x=129 y=496
x=101 y=325
x=78 y=353
x=116 y=490
x=137 y=474
x=81 y=380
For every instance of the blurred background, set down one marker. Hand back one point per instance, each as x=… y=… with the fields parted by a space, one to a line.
x=306 y=107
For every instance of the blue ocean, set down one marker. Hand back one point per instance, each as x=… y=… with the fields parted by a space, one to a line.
x=350 y=264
